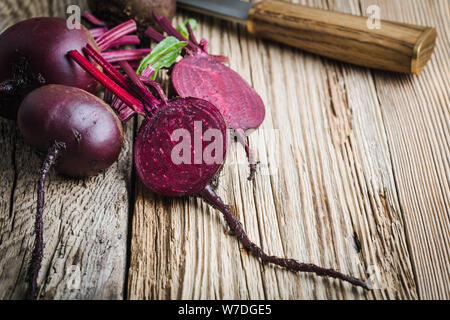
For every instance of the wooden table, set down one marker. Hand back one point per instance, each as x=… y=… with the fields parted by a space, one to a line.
x=360 y=182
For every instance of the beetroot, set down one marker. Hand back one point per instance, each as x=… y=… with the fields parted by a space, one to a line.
x=82 y=135
x=203 y=76
x=154 y=146
x=173 y=167
x=33 y=53
x=88 y=127
x=138 y=10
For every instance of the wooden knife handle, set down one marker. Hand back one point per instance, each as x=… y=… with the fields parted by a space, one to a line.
x=394 y=46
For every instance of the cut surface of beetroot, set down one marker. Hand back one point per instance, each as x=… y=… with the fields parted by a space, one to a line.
x=156 y=145
x=202 y=76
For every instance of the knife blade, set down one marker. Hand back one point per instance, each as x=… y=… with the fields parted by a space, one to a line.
x=354 y=39
x=231 y=10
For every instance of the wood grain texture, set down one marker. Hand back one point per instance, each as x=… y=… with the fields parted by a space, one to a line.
x=354 y=175
x=393 y=46
x=353 y=179
x=416 y=118
x=85 y=221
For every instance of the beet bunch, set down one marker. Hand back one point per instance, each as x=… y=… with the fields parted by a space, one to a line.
x=171 y=166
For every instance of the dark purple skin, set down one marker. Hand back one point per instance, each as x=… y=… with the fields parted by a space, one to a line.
x=117 y=11
x=154 y=146
x=33 y=53
x=88 y=127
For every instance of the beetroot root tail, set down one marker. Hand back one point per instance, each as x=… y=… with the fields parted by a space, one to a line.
x=52 y=156
x=251 y=158
x=211 y=197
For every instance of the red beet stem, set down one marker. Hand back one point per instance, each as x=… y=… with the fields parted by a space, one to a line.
x=112 y=72
x=92 y=19
x=109 y=69
x=97 y=32
x=133 y=63
x=156 y=86
x=127 y=98
x=142 y=91
x=251 y=159
x=125 y=112
x=191 y=34
x=167 y=27
x=125 y=55
x=221 y=59
x=211 y=197
x=116 y=33
x=36 y=258
x=122 y=81
x=154 y=35
x=108 y=96
x=124 y=41
x=148 y=72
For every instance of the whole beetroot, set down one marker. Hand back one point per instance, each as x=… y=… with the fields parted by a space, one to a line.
x=33 y=53
x=138 y=10
x=81 y=135
x=89 y=128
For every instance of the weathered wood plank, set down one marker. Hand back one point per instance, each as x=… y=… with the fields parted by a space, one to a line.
x=336 y=179
x=416 y=117
x=85 y=221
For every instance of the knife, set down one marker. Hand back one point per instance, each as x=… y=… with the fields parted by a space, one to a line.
x=393 y=46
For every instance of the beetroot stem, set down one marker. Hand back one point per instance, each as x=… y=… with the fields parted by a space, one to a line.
x=92 y=19
x=97 y=32
x=167 y=27
x=116 y=33
x=156 y=86
x=211 y=197
x=117 y=77
x=154 y=35
x=127 y=98
x=191 y=34
x=125 y=55
x=36 y=258
x=124 y=41
x=251 y=159
x=144 y=94
x=109 y=69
